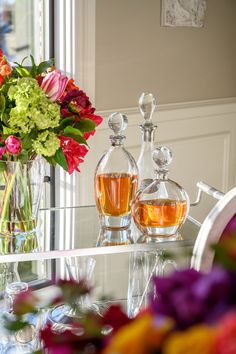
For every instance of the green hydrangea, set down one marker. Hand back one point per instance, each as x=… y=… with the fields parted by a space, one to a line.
x=46 y=144
x=32 y=107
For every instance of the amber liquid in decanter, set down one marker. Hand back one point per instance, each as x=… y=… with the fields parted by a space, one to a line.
x=160 y=212
x=115 y=193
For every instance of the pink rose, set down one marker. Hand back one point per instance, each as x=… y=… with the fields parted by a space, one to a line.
x=54 y=84
x=2 y=151
x=13 y=145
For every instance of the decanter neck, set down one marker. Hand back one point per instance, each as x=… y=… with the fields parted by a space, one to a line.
x=117 y=140
x=162 y=174
x=148 y=132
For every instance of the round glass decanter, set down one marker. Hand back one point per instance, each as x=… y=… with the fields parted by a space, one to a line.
x=161 y=208
x=116 y=178
x=147 y=105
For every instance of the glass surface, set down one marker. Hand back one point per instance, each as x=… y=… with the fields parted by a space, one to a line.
x=77 y=229
x=20 y=28
x=85 y=231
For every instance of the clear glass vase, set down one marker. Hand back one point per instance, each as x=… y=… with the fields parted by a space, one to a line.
x=20 y=195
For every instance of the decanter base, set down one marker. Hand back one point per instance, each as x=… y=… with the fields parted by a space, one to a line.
x=158 y=234
x=115 y=222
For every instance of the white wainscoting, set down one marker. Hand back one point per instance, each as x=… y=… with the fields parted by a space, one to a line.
x=202 y=136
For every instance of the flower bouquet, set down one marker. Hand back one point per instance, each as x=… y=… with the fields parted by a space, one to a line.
x=43 y=116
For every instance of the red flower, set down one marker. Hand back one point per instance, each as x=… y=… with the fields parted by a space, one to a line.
x=1 y=80
x=115 y=317
x=25 y=302
x=225 y=342
x=74 y=153
x=76 y=102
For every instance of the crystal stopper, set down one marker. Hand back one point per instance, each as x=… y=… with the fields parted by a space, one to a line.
x=117 y=122
x=162 y=156
x=147 y=105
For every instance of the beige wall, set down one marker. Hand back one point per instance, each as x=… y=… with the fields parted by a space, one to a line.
x=133 y=54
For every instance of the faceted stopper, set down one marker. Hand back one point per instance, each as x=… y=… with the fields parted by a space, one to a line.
x=117 y=122
x=162 y=156
x=147 y=105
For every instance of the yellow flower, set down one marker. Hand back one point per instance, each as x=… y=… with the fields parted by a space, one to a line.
x=139 y=337
x=196 y=340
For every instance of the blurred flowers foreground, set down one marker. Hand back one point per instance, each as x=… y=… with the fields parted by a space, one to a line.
x=194 y=313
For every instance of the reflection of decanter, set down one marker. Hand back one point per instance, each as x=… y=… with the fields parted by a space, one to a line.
x=116 y=179
x=147 y=105
x=161 y=208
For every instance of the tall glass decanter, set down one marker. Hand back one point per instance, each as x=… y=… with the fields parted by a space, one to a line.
x=116 y=178
x=160 y=209
x=147 y=105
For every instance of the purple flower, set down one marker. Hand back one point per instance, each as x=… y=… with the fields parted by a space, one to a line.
x=13 y=145
x=190 y=297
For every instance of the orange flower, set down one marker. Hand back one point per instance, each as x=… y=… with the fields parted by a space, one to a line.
x=196 y=340
x=71 y=85
x=5 y=70
x=141 y=336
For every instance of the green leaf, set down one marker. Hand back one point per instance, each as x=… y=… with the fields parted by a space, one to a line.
x=85 y=125
x=7 y=131
x=27 y=139
x=27 y=142
x=2 y=104
x=33 y=70
x=78 y=138
x=60 y=159
x=23 y=72
x=14 y=325
x=44 y=66
x=65 y=122
x=50 y=160
x=70 y=130
x=22 y=61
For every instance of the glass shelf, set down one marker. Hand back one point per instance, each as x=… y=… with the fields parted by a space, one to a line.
x=75 y=231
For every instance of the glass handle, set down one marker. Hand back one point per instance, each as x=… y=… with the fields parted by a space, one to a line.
x=163 y=264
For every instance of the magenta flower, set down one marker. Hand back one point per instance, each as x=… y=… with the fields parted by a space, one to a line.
x=2 y=151
x=13 y=145
x=54 y=84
